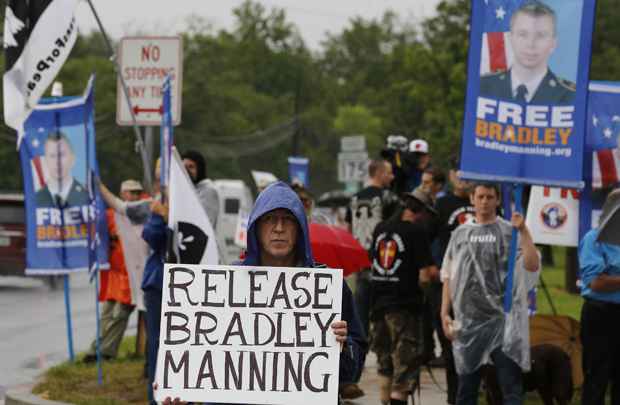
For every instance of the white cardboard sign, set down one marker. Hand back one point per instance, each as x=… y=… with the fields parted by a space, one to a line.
x=252 y=335
x=144 y=64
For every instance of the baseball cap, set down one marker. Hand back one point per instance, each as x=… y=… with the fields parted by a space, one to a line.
x=131 y=185
x=396 y=142
x=423 y=197
x=419 y=146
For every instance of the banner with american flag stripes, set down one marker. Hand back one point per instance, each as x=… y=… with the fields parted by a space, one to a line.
x=525 y=111
x=604 y=133
x=65 y=221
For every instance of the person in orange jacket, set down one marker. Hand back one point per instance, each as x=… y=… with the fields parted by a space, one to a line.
x=120 y=286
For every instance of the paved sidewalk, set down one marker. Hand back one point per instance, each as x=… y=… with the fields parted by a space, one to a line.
x=430 y=393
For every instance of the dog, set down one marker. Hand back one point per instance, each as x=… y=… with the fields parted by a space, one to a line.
x=550 y=375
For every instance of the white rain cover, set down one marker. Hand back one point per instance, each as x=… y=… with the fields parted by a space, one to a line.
x=476 y=265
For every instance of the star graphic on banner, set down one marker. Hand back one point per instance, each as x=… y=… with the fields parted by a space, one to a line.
x=616 y=118
x=35 y=143
x=594 y=120
x=500 y=13
x=41 y=130
x=608 y=132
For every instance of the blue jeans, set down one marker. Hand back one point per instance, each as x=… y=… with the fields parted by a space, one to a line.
x=152 y=302
x=509 y=376
x=362 y=302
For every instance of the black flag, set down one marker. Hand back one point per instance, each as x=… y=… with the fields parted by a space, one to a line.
x=38 y=37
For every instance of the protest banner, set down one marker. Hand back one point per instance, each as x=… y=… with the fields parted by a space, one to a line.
x=166 y=139
x=38 y=37
x=299 y=170
x=241 y=231
x=526 y=97
x=64 y=210
x=553 y=216
x=251 y=335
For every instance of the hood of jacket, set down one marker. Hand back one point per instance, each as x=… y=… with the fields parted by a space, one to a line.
x=278 y=195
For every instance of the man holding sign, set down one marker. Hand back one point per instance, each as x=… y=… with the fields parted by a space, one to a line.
x=474 y=273
x=272 y=362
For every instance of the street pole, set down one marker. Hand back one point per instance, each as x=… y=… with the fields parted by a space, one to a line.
x=149 y=143
x=146 y=163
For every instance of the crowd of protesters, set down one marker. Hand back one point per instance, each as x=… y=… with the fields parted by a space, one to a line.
x=439 y=253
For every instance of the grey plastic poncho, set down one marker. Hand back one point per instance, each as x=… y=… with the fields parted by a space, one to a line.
x=475 y=266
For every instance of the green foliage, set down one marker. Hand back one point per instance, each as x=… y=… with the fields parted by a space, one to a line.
x=375 y=77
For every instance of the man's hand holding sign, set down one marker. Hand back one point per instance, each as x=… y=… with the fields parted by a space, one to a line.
x=269 y=331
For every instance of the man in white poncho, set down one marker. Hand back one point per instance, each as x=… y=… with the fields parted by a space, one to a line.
x=474 y=274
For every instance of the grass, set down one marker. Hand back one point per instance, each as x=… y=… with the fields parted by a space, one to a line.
x=565 y=302
x=76 y=383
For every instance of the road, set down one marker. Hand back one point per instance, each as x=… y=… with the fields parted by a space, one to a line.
x=33 y=334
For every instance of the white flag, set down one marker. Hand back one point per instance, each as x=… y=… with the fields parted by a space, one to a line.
x=38 y=37
x=193 y=240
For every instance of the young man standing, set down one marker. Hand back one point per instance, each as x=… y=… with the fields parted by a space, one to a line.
x=401 y=262
x=365 y=213
x=474 y=274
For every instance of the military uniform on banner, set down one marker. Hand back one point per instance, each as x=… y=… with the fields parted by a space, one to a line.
x=551 y=90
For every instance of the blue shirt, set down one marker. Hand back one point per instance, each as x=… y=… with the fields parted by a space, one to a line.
x=596 y=258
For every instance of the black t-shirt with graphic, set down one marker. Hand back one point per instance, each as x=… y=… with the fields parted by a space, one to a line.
x=399 y=250
x=453 y=211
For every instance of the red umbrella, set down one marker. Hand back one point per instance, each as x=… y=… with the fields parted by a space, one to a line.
x=336 y=248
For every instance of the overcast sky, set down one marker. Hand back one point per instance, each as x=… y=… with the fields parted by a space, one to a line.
x=313 y=17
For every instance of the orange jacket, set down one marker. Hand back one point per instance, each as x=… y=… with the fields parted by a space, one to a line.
x=115 y=282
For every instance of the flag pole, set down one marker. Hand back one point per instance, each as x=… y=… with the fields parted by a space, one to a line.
x=93 y=245
x=145 y=160
x=57 y=92
x=512 y=256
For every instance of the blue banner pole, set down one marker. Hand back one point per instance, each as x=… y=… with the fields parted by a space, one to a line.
x=512 y=257
x=68 y=316
x=98 y=327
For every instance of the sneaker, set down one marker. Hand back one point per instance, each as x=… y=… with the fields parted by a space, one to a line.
x=351 y=391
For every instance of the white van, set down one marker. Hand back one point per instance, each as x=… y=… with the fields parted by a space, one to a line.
x=235 y=199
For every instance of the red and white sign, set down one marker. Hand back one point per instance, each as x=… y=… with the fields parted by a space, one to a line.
x=553 y=216
x=145 y=62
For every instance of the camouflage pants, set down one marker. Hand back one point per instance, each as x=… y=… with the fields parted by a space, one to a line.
x=396 y=339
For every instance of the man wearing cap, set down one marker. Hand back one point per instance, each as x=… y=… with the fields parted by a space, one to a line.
x=120 y=286
x=401 y=264
x=419 y=161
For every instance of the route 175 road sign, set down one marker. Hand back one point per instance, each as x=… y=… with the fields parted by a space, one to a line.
x=145 y=62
